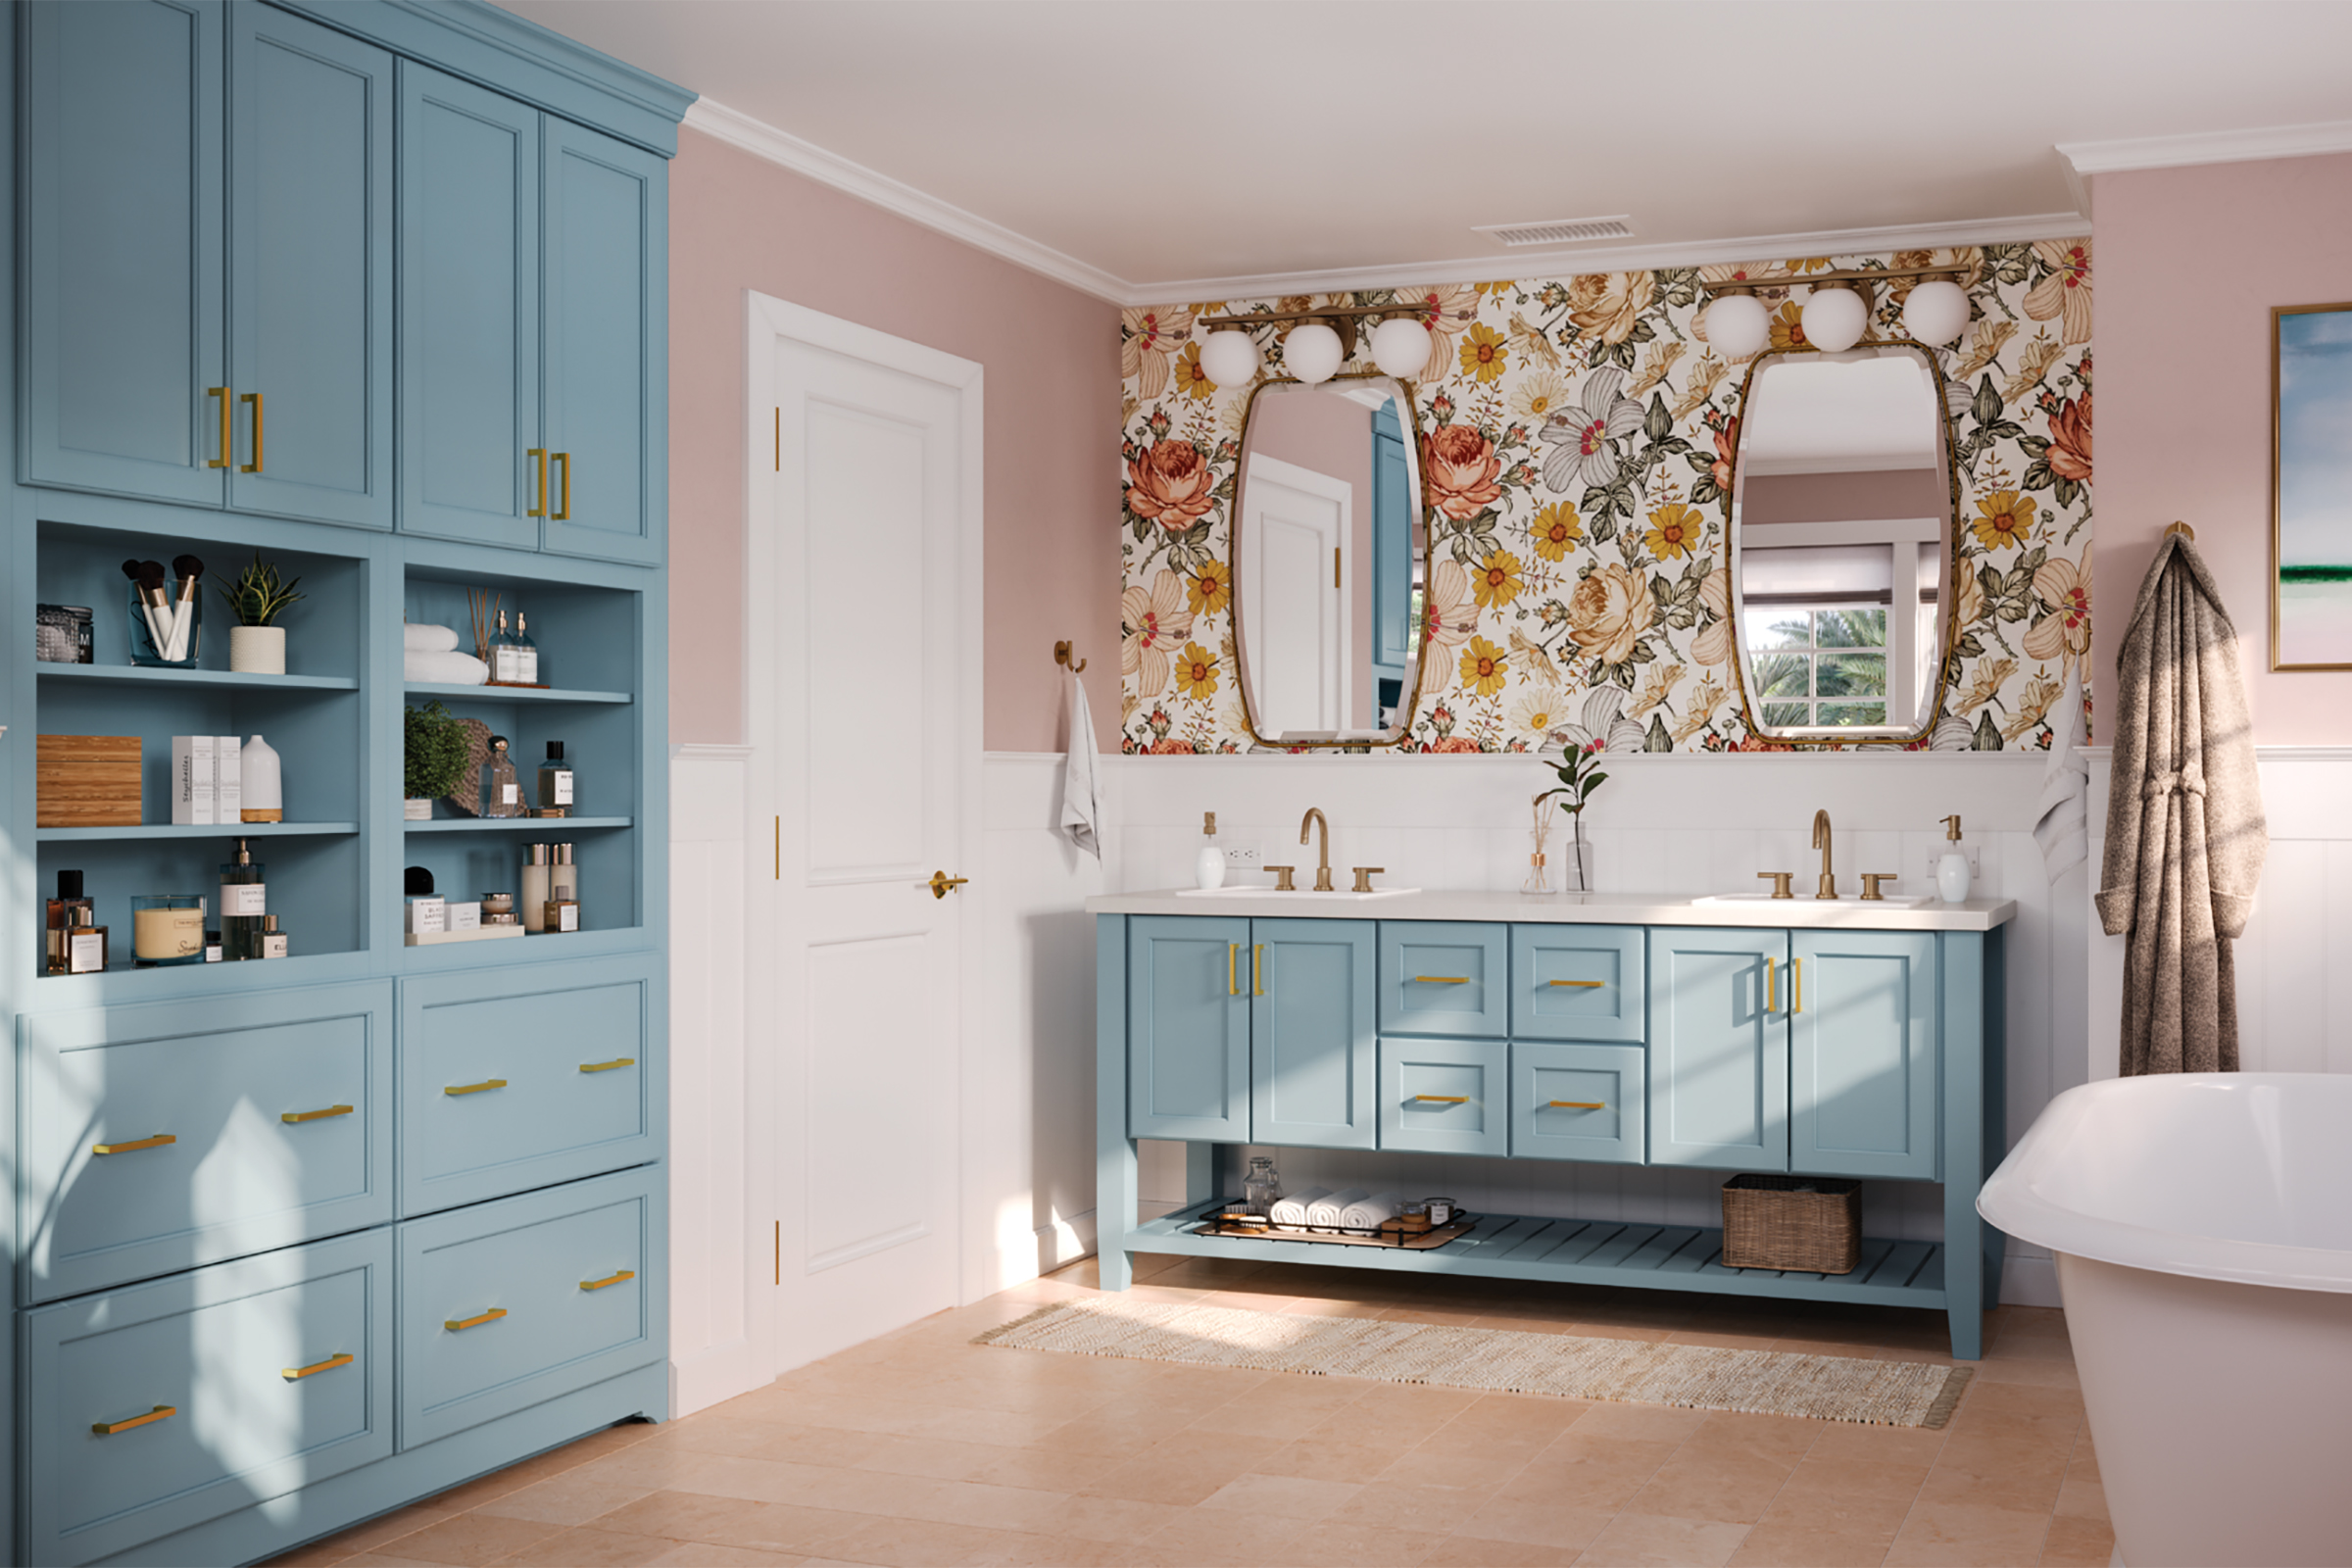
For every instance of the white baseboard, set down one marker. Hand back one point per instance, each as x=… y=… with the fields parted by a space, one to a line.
x=2030 y=1282
x=712 y=1376
x=1065 y=1242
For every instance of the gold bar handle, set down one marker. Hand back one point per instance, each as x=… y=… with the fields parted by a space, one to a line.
x=227 y=435
x=1578 y=1104
x=1771 y=989
x=1257 y=969
x=161 y=1412
x=255 y=466
x=475 y=1088
x=295 y=1374
x=610 y=1279
x=314 y=1115
x=1796 y=986
x=157 y=1142
x=1446 y=1100
x=607 y=1066
x=453 y=1324
x=1233 y=973
x=1441 y=979
x=563 y=511
x=1578 y=985
x=539 y=511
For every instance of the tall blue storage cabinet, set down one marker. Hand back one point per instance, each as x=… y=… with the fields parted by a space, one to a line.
x=379 y=289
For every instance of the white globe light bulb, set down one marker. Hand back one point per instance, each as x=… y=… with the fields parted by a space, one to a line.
x=1400 y=347
x=1229 y=358
x=1738 y=326
x=1834 y=318
x=1937 y=313
x=1313 y=351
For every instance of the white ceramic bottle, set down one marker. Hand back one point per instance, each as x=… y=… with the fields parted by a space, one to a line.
x=1208 y=866
x=1951 y=872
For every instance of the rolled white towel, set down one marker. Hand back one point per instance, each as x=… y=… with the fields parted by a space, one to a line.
x=420 y=639
x=451 y=668
x=1291 y=1210
x=1367 y=1212
x=1327 y=1210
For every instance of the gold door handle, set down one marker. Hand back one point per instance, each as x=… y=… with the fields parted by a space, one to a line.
x=942 y=884
x=161 y=1412
x=607 y=1066
x=295 y=1374
x=1771 y=989
x=255 y=466
x=1257 y=969
x=610 y=1279
x=1578 y=985
x=1796 y=986
x=475 y=1088
x=1232 y=973
x=453 y=1324
x=314 y=1115
x=157 y=1142
x=539 y=511
x=1578 y=1104
x=563 y=511
x=227 y=436
x=1444 y=1100
x=1441 y=979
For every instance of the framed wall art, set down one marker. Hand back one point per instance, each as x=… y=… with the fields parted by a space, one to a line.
x=2311 y=487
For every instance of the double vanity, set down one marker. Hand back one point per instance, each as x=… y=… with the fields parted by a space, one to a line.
x=1744 y=1033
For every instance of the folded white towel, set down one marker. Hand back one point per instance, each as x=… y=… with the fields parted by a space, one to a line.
x=1291 y=1210
x=1326 y=1210
x=443 y=669
x=1367 y=1212
x=419 y=639
x=1081 y=809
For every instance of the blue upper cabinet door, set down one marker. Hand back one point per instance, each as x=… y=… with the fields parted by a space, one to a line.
x=122 y=249
x=310 y=270
x=607 y=310
x=1862 y=1043
x=1578 y=982
x=1188 y=1028
x=1719 y=1049
x=469 y=312
x=1444 y=977
x=1313 y=1049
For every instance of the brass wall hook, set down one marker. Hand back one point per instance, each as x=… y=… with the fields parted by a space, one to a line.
x=1061 y=655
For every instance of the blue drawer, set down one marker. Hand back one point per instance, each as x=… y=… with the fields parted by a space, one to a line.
x=1578 y=1103
x=1578 y=982
x=1444 y=1097
x=513 y=1302
x=224 y=1081
x=518 y=1078
x=248 y=1357
x=1444 y=977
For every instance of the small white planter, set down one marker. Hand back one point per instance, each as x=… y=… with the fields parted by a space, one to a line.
x=258 y=650
x=416 y=811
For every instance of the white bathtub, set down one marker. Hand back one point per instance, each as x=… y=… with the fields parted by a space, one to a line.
x=2203 y=1227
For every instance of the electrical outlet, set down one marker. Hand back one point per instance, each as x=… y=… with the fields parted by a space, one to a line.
x=1244 y=857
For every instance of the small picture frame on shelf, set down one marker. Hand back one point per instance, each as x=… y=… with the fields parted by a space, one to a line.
x=63 y=634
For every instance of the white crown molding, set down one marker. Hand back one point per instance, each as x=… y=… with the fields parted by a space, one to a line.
x=2085 y=158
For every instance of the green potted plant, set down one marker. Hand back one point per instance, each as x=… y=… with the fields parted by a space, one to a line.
x=257 y=644
x=434 y=757
x=1580 y=775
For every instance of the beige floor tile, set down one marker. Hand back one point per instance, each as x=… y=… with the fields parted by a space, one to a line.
x=1632 y=1541
x=1849 y=1440
x=752 y=1438
x=570 y=1498
x=471 y=1539
x=676 y=1516
x=1342 y=1544
x=1326 y=1456
x=706 y=1554
x=781 y=1527
x=1792 y=1545
x=1471 y=1552
x=1533 y=1522
x=917 y=1543
x=2078 y=1543
x=1727 y=1487
x=377 y=1535
x=1654 y=1422
x=1945 y=1533
x=1113 y=1519
x=319 y=1554
x=1590 y=1472
x=1291 y=1497
x=939 y=1458
x=589 y=1547
x=1042 y=1469
x=2082 y=1499
x=964 y=1503
x=1786 y=1439
x=1214 y=1538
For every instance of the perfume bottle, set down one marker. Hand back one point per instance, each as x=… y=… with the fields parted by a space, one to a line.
x=57 y=956
x=274 y=941
x=536 y=860
x=502 y=793
x=554 y=783
x=244 y=904
x=86 y=942
x=526 y=653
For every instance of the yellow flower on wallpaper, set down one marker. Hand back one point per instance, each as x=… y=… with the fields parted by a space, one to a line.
x=1482 y=667
x=1191 y=379
x=1210 y=589
x=2008 y=519
x=1484 y=356
x=1557 y=530
x=1497 y=580
x=1539 y=396
x=1675 y=530
x=1196 y=674
x=1788 y=326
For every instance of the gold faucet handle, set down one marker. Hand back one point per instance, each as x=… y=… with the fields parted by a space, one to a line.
x=1780 y=881
x=1364 y=875
x=1871 y=881
x=1281 y=878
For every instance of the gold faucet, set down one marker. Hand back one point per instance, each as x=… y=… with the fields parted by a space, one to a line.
x=1314 y=816
x=1821 y=841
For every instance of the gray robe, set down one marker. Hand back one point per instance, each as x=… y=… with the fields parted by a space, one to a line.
x=2185 y=837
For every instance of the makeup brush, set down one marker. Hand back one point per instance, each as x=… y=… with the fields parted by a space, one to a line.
x=183 y=613
x=149 y=602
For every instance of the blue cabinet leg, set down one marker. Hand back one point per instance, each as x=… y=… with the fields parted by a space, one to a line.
x=1965 y=1039
x=1115 y=1151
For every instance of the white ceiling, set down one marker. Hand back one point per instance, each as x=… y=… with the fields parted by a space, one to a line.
x=1172 y=142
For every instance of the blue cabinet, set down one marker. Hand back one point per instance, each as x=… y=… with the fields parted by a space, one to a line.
x=1862 y=1056
x=1313 y=1064
x=1187 y=1029
x=1444 y=977
x=1578 y=982
x=1719 y=1049
x=1579 y=1102
x=1445 y=1097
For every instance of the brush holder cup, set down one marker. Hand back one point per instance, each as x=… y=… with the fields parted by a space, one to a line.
x=152 y=633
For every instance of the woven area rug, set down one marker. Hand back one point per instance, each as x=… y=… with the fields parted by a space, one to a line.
x=1697 y=1377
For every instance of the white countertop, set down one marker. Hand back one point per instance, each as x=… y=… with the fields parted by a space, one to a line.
x=1574 y=909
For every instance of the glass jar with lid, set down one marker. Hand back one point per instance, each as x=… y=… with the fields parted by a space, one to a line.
x=1261 y=1187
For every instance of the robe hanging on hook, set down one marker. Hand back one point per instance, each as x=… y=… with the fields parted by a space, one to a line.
x=1061 y=655
x=2181 y=529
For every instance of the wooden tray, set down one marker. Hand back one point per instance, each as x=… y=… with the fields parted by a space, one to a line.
x=1385 y=1236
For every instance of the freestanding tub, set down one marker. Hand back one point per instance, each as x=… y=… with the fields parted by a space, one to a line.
x=2203 y=1228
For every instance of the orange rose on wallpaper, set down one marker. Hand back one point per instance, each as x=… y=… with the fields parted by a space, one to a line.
x=2070 y=436
x=1458 y=466
x=1607 y=304
x=1609 y=611
x=1171 y=484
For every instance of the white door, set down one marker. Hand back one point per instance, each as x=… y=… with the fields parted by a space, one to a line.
x=863 y=609
x=1295 y=526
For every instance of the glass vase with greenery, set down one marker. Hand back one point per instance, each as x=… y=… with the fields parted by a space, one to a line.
x=1580 y=775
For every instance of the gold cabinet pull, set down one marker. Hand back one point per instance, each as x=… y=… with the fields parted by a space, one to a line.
x=295 y=1374
x=1233 y=973
x=563 y=511
x=227 y=436
x=255 y=466
x=607 y=1066
x=475 y=1088
x=453 y=1324
x=161 y=1412
x=1796 y=986
x=157 y=1142
x=610 y=1279
x=1578 y=985
x=1441 y=979
x=1578 y=1104
x=1257 y=969
x=1444 y=1100
x=539 y=511
x=1772 y=988
x=314 y=1115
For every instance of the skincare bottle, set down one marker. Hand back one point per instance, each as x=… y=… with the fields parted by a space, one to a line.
x=1208 y=866
x=506 y=660
x=274 y=941
x=1952 y=872
x=244 y=902
x=526 y=653
x=554 y=783
x=502 y=793
x=564 y=877
x=534 y=886
x=59 y=919
x=562 y=914
x=86 y=942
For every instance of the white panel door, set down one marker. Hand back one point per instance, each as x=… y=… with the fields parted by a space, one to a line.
x=1295 y=524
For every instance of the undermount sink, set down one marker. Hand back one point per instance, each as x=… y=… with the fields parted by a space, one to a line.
x=1889 y=900
x=1296 y=895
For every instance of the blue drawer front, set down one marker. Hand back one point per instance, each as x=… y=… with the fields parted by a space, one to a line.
x=574 y=1051
x=1578 y=1103
x=218 y=1078
x=214 y=1346
x=1444 y=1097
x=1188 y=1028
x=1312 y=1056
x=1578 y=982
x=1442 y=977
x=573 y=1275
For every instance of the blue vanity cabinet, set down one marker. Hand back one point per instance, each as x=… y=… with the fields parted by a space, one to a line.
x=1579 y=982
x=1444 y=977
x=1719 y=1049
x=1862 y=1053
x=1445 y=1097
x=1188 y=1028
x=1313 y=1043
x=1574 y=1102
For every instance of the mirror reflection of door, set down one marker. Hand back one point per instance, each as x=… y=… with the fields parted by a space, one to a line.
x=1294 y=526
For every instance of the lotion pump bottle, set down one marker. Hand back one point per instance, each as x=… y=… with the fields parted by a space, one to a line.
x=1952 y=872
x=1208 y=866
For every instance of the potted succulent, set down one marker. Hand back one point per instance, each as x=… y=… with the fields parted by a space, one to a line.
x=1580 y=775
x=433 y=760
x=257 y=644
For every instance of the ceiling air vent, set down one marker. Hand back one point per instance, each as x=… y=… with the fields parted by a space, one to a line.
x=1559 y=232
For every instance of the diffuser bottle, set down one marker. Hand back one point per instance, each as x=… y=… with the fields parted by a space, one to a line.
x=1952 y=875
x=244 y=902
x=502 y=792
x=1208 y=866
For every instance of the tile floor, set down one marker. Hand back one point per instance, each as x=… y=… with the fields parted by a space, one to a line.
x=921 y=1448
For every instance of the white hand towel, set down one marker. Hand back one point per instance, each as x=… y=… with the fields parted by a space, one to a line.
x=1291 y=1210
x=1327 y=1210
x=2061 y=819
x=1367 y=1212
x=420 y=639
x=1081 y=809
x=450 y=669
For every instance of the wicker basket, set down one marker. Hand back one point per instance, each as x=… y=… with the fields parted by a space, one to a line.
x=1806 y=1224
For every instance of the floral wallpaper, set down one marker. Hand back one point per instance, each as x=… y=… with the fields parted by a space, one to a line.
x=1576 y=444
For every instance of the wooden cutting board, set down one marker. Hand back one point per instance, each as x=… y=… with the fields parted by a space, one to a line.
x=87 y=781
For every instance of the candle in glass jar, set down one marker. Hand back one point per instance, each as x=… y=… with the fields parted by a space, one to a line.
x=166 y=928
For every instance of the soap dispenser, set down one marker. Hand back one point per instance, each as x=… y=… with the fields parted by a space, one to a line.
x=1951 y=872
x=1208 y=866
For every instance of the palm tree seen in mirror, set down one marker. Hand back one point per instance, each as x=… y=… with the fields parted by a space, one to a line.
x=1819 y=668
x=1580 y=775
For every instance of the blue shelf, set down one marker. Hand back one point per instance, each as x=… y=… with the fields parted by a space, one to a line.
x=516 y=824
x=156 y=676
x=194 y=830
x=517 y=694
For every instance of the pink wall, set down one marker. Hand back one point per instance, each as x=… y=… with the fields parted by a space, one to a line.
x=1052 y=356
x=1869 y=497
x=1327 y=433
x=2184 y=352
